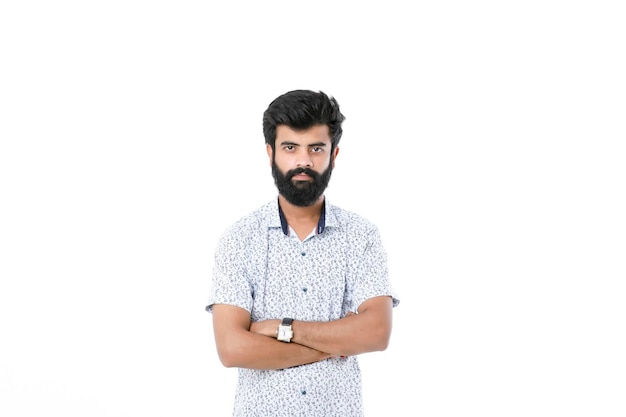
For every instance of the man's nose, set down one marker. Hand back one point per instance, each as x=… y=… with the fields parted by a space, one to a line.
x=304 y=159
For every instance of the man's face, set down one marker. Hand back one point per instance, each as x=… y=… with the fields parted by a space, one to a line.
x=302 y=163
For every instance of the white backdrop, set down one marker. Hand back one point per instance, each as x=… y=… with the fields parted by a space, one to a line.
x=484 y=138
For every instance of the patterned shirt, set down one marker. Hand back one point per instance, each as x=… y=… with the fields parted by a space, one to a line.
x=262 y=266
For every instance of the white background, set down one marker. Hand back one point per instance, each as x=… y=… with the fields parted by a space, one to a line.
x=484 y=138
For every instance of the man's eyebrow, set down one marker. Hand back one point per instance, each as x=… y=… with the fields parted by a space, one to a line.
x=289 y=143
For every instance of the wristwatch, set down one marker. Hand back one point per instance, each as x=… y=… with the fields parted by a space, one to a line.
x=285 y=332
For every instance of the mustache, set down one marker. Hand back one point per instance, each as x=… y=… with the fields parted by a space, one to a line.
x=301 y=170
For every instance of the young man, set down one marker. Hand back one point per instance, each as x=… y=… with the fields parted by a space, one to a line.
x=300 y=287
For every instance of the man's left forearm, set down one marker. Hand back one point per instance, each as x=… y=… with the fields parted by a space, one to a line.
x=354 y=334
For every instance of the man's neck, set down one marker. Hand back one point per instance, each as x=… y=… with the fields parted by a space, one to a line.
x=301 y=214
x=301 y=219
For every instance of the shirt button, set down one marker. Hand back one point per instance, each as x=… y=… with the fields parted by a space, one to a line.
x=302 y=253
x=303 y=392
x=304 y=289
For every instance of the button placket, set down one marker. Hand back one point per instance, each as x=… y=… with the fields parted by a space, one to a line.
x=303 y=269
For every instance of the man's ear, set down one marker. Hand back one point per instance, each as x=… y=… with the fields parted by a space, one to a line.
x=334 y=156
x=268 y=148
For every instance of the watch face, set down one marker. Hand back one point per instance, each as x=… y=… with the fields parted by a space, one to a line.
x=284 y=333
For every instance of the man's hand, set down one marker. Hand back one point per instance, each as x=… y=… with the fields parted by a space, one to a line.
x=266 y=327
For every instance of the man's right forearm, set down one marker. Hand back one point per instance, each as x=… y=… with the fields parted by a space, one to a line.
x=254 y=351
x=239 y=347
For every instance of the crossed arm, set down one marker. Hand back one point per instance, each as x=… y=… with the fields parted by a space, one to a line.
x=243 y=344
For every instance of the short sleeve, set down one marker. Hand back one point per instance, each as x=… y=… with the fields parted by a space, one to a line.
x=373 y=274
x=230 y=283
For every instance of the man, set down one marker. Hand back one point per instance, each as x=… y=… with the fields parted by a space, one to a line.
x=300 y=287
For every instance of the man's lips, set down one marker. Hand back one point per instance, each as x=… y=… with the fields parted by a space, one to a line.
x=301 y=177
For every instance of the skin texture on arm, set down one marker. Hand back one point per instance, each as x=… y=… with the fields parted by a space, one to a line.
x=238 y=347
x=367 y=331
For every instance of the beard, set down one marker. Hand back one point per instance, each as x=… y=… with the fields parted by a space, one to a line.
x=301 y=193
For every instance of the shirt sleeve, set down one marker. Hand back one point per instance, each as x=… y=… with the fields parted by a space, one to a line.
x=373 y=275
x=230 y=283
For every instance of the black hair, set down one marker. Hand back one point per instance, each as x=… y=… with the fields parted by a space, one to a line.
x=302 y=109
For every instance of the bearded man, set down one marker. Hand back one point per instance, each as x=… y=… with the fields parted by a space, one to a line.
x=300 y=287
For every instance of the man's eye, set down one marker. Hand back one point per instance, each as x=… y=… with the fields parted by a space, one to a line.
x=316 y=149
x=289 y=148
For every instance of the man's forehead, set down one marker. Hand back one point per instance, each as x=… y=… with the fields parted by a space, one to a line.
x=313 y=134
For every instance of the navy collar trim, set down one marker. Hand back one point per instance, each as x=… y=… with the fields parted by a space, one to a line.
x=321 y=224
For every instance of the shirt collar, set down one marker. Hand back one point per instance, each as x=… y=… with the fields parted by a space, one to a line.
x=321 y=224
